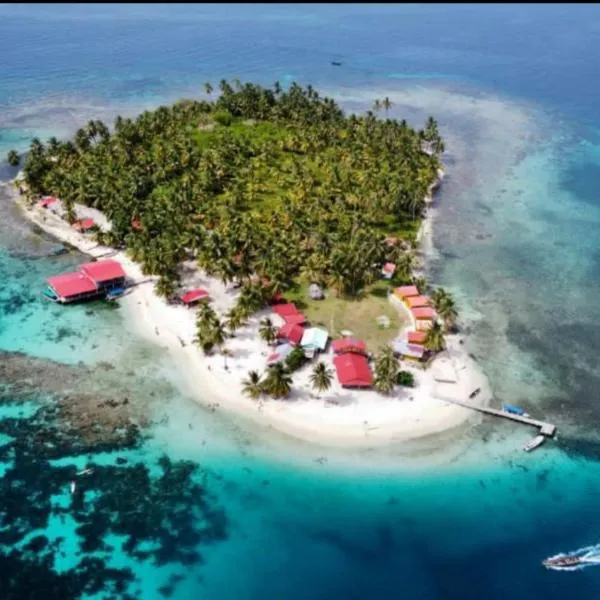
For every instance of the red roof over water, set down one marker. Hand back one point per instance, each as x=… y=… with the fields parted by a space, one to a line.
x=353 y=370
x=103 y=270
x=295 y=319
x=416 y=337
x=349 y=344
x=84 y=224
x=71 y=284
x=194 y=295
x=292 y=333
x=285 y=309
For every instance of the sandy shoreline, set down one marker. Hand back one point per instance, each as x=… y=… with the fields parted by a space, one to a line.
x=339 y=418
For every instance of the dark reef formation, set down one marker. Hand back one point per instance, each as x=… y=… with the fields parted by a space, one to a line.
x=164 y=511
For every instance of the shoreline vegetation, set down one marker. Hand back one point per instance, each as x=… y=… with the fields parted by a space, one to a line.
x=265 y=192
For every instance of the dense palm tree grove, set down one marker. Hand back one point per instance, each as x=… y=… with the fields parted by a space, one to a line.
x=259 y=185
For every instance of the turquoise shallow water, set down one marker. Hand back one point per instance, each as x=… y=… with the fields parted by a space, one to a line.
x=243 y=513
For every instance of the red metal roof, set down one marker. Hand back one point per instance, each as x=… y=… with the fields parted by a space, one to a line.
x=417 y=301
x=46 y=201
x=103 y=270
x=285 y=309
x=389 y=267
x=71 y=284
x=353 y=370
x=84 y=224
x=416 y=337
x=349 y=344
x=292 y=333
x=295 y=319
x=425 y=312
x=194 y=295
x=406 y=291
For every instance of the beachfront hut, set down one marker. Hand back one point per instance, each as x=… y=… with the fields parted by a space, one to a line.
x=349 y=344
x=314 y=338
x=291 y=333
x=388 y=270
x=408 y=351
x=295 y=319
x=406 y=291
x=106 y=274
x=416 y=301
x=353 y=370
x=194 y=296
x=71 y=287
x=84 y=225
x=280 y=354
x=285 y=309
x=315 y=292
x=416 y=337
x=46 y=201
x=424 y=317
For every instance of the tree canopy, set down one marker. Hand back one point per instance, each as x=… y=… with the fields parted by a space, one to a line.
x=260 y=182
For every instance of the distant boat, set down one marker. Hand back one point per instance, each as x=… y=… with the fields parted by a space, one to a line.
x=49 y=294
x=85 y=472
x=336 y=63
x=562 y=562
x=115 y=293
x=73 y=487
x=534 y=443
x=514 y=410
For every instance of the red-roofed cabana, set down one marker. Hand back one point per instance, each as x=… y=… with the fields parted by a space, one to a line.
x=285 y=309
x=388 y=270
x=102 y=271
x=46 y=201
x=84 y=224
x=423 y=313
x=349 y=344
x=406 y=291
x=416 y=337
x=353 y=370
x=193 y=296
x=291 y=333
x=295 y=319
x=417 y=301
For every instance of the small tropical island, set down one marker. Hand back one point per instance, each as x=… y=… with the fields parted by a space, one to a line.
x=271 y=242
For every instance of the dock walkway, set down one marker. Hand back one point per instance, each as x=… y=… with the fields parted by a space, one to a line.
x=546 y=429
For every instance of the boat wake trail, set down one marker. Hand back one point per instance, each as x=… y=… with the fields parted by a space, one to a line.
x=574 y=561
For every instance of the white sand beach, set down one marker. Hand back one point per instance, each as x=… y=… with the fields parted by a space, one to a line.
x=339 y=418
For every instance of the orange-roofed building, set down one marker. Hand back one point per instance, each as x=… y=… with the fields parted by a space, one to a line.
x=406 y=291
x=423 y=313
x=416 y=301
x=416 y=337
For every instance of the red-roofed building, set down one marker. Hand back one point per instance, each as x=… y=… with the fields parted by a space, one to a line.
x=285 y=309
x=136 y=224
x=388 y=270
x=416 y=301
x=416 y=337
x=406 y=291
x=291 y=333
x=84 y=224
x=349 y=344
x=353 y=370
x=295 y=319
x=70 y=287
x=193 y=296
x=423 y=313
x=104 y=271
x=46 y=201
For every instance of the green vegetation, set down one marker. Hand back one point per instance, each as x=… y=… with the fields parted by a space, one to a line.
x=321 y=377
x=261 y=186
x=405 y=378
x=445 y=307
x=434 y=340
x=13 y=158
x=386 y=369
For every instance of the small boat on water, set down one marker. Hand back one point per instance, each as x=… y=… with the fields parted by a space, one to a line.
x=514 y=410
x=336 y=63
x=85 y=472
x=115 y=293
x=49 y=294
x=73 y=486
x=536 y=442
x=564 y=562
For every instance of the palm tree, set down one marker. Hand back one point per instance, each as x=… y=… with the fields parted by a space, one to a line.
x=377 y=106
x=434 y=339
x=208 y=88
x=234 y=319
x=386 y=104
x=267 y=331
x=321 y=377
x=253 y=385
x=445 y=307
x=386 y=369
x=13 y=158
x=278 y=382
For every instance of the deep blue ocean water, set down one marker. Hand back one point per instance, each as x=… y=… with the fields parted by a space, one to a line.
x=515 y=238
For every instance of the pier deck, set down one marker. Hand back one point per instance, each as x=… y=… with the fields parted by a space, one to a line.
x=546 y=429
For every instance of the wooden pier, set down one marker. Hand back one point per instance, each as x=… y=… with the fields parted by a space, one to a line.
x=546 y=429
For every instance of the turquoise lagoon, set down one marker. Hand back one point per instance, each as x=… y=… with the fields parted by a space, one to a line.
x=240 y=512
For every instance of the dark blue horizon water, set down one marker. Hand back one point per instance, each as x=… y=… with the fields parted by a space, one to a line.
x=515 y=239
